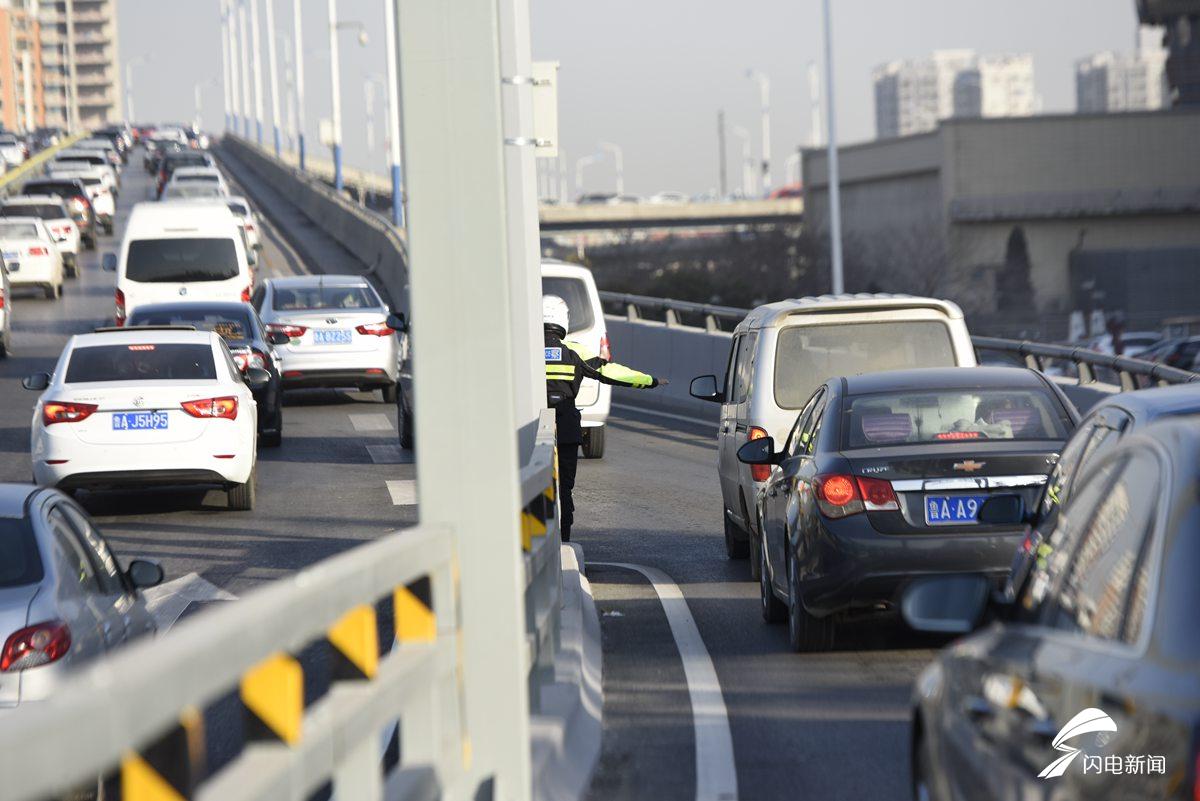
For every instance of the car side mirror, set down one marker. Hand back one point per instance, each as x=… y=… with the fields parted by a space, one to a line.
x=257 y=378
x=705 y=388
x=952 y=604
x=143 y=573
x=278 y=338
x=109 y=263
x=36 y=382
x=1002 y=510
x=758 y=451
x=397 y=322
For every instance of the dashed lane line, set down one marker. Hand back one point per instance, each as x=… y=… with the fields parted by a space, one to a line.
x=403 y=491
x=389 y=454
x=716 y=772
x=370 y=422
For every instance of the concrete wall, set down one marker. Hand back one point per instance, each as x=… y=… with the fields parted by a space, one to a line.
x=679 y=353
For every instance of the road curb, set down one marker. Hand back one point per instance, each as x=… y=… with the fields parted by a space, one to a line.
x=566 y=731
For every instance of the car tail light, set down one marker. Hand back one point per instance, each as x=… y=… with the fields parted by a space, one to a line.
x=250 y=226
x=66 y=412
x=1 y=298
x=877 y=494
x=293 y=331
x=247 y=358
x=838 y=495
x=79 y=203
x=605 y=350
x=246 y=295
x=36 y=645
x=120 y=297
x=375 y=330
x=212 y=407
x=758 y=472
x=37 y=251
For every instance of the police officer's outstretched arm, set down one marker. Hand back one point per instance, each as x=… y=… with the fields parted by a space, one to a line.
x=612 y=373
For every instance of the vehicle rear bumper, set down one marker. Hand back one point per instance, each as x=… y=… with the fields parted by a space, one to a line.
x=125 y=479
x=140 y=465
x=852 y=567
x=301 y=379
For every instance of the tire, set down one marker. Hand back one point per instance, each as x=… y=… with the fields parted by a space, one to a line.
x=735 y=548
x=90 y=242
x=406 y=430
x=773 y=609
x=108 y=229
x=241 y=496
x=926 y=784
x=390 y=393
x=805 y=632
x=53 y=291
x=271 y=439
x=755 y=543
x=71 y=270
x=4 y=348
x=593 y=442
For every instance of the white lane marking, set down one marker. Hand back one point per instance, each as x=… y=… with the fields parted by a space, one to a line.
x=403 y=492
x=168 y=601
x=370 y=422
x=716 y=772
x=670 y=415
x=389 y=454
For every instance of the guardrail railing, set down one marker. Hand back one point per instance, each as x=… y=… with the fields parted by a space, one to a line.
x=325 y=667
x=1087 y=366
x=34 y=163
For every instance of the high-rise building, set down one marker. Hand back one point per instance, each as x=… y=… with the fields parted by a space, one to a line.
x=22 y=100
x=912 y=95
x=1180 y=32
x=79 y=51
x=1112 y=81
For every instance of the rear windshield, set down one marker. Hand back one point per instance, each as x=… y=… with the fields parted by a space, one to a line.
x=200 y=177
x=315 y=298
x=229 y=326
x=79 y=160
x=49 y=188
x=951 y=415
x=808 y=356
x=141 y=362
x=579 y=304
x=194 y=189
x=239 y=209
x=20 y=563
x=45 y=212
x=166 y=260
x=18 y=231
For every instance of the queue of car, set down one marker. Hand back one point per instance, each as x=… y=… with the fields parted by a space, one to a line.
x=870 y=470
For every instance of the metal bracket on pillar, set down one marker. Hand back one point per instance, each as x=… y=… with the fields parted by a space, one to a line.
x=524 y=80
x=527 y=141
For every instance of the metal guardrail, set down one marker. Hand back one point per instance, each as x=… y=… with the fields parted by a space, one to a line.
x=321 y=663
x=34 y=163
x=1088 y=366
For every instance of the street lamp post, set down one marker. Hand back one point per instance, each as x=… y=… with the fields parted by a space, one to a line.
x=244 y=38
x=256 y=52
x=129 y=65
x=837 y=281
x=235 y=84
x=225 y=74
x=393 y=110
x=298 y=46
x=579 y=165
x=273 y=64
x=764 y=91
x=618 y=163
x=747 y=161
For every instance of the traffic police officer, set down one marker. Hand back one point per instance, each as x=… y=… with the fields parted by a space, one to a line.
x=567 y=364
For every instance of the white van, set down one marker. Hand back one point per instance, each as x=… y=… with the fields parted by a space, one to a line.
x=781 y=352
x=575 y=285
x=183 y=250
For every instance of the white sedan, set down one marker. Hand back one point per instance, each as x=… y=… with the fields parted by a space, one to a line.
x=31 y=255
x=144 y=407
x=53 y=212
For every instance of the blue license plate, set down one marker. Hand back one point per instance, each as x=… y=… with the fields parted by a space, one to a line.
x=947 y=510
x=139 y=421
x=338 y=337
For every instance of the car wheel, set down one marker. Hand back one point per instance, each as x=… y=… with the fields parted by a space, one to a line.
x=52 y=291
x=4 y=348
x=593 y=443
x=108 y=228
x=805 y=632
x=390 y=393
x=271 y=439
x=735 y=546
x=773 y=610
x=241 y=496
x=90 y=243
x=925 y=786
x=71 y=270
x=406 y=431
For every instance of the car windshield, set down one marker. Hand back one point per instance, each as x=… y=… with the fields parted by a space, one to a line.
x=20 y=563
x=228 y=326
x=575 y=292
x=239 y=209
x=189 y=259
x=44 y=211
x=315 y=298
x=807 y=356
x=141 y=362
x=18 y=230
x=951 y=415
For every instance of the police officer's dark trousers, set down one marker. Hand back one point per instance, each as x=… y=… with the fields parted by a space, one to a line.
x=568 y=462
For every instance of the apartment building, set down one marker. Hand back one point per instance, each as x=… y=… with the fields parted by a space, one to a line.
x=1112 y=81
x=79 y=53
x=22 y=100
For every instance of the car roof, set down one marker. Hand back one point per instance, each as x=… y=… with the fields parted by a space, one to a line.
x=1150 y=404
x=31 y=200
x=199 y=213
x=319 y=280
x=858 y=302
x=943 y=378
x=9 y=220
x=13 y=498
x=138 y=335
x=222 y=306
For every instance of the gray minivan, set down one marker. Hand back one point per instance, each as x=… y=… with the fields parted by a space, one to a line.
x=783 y=351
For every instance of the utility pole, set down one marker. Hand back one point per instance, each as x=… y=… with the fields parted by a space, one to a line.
x=837 y=282
x=274 y=72
x=721 y=152
x=747 y=162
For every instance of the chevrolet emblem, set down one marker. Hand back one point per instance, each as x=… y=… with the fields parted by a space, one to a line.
x=970 y=465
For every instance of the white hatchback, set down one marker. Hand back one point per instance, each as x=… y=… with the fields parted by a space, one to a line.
x=31 y=255
x=147 y=406
x=53 y=212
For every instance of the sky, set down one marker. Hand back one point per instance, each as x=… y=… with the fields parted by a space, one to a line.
x=647 y=75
